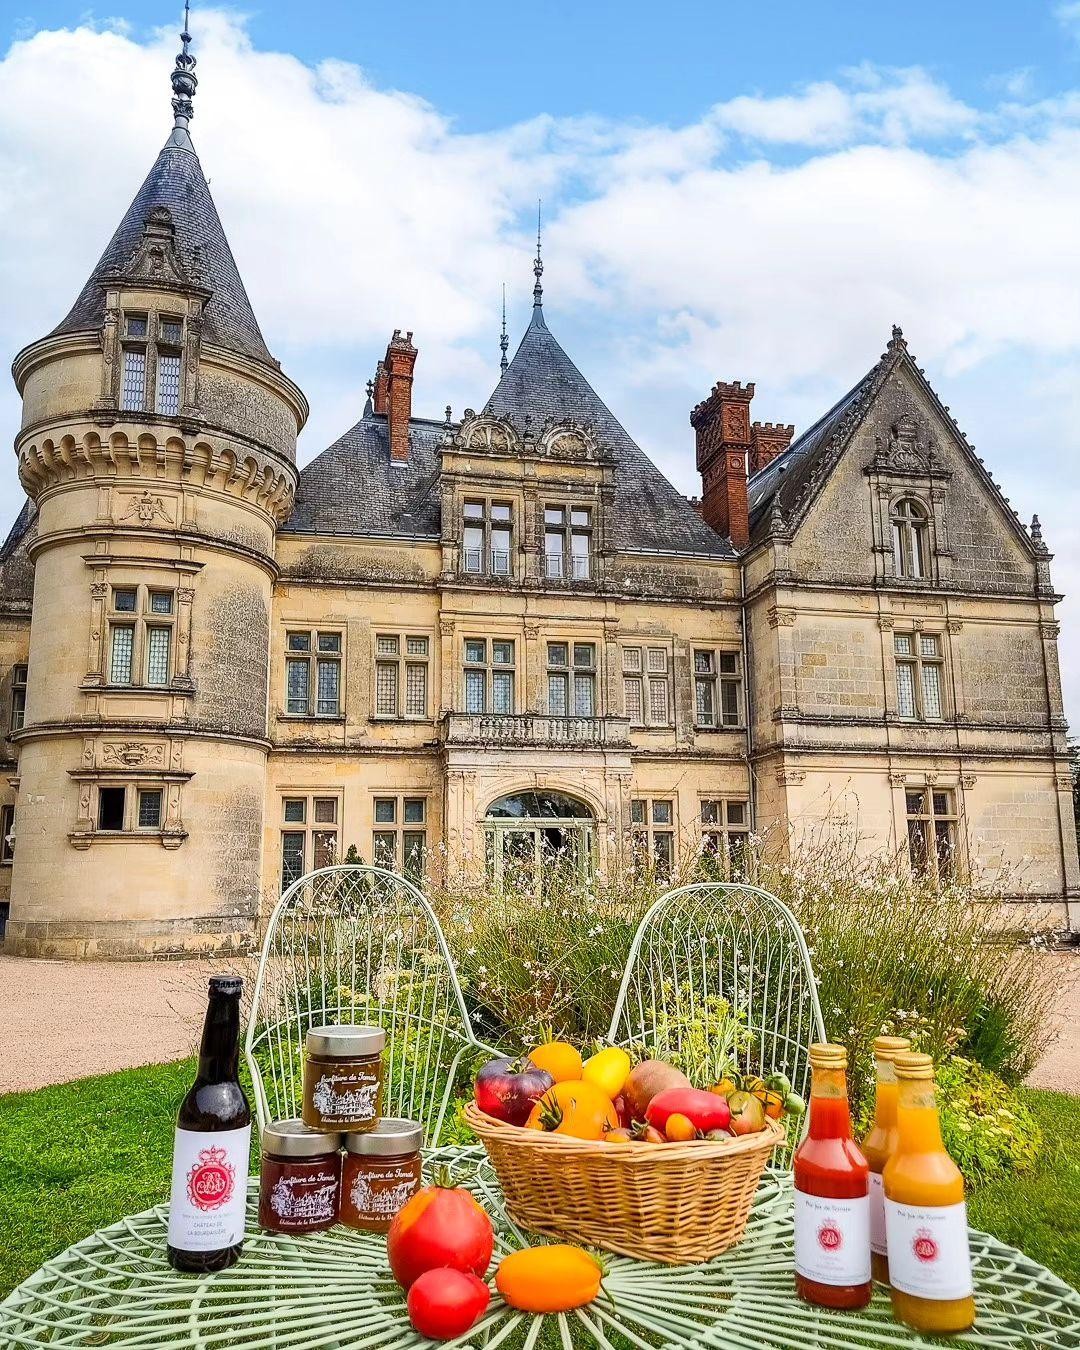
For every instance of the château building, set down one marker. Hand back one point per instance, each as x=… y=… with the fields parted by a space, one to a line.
x=491 y=641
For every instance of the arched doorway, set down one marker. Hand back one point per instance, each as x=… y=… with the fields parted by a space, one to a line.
x=536 y=836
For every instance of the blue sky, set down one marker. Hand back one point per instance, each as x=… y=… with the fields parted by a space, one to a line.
x=731 y=191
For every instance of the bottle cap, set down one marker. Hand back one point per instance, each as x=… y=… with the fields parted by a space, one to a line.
x=293 y=1139
x=888 y=1047
x=826 y=1055
x=346 y=1041
x=389 y=1139
x=226 y=984
x=911 y=1065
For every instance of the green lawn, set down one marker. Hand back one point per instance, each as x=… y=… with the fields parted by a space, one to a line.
x=75 y=1157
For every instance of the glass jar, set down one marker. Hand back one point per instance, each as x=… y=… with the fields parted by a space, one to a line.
x=300 y=1178
x=343 y=1074
x=382 y=1172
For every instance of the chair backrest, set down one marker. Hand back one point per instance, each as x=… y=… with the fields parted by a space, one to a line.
x=714 y=966
x=362 y=945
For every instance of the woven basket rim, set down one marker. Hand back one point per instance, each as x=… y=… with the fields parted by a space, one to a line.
x=636 y=1152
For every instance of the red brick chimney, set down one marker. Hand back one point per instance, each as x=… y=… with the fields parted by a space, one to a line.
x=766 y=442
x=378 y=400
x=398 y=364
x=722 y=423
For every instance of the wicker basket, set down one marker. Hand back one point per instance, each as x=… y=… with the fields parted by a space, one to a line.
x=673 y=1203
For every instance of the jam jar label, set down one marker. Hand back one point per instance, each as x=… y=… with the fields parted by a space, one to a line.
x=832 y=1239
x=380 y=1195
x=300 y=1200
x=347 y=1097
x=209 y=1189
x=929 y=1255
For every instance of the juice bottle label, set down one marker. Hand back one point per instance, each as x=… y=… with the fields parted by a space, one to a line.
x=877 y=1214
x=209 y=1189
x=832 y=1239
x=929 y=1255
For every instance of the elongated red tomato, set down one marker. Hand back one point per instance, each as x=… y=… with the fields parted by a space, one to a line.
x=705 y=1110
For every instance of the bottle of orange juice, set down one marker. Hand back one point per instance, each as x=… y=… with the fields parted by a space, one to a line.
x=925 y=1213
x=879 y=1144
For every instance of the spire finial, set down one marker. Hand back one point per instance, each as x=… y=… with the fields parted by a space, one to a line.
x=504 y=341
x=538 y=266
x=183 y=79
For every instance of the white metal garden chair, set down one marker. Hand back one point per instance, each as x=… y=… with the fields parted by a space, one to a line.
x=359 y=944
x=709 y=960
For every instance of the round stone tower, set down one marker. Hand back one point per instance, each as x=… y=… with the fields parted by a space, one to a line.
x=158 y=441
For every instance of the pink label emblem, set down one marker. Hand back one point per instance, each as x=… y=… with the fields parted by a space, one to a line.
x=211 y=1180
x=830 y=1237
x=924 y=1246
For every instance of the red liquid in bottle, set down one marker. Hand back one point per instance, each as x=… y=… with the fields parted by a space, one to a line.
x=832 y=1195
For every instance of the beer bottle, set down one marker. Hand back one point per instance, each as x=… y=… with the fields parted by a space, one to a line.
x=210 y=1147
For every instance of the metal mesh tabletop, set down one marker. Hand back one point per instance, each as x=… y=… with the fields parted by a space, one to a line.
x=334 y=1290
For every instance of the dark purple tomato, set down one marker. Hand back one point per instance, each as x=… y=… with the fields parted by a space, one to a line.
x=507 y=1089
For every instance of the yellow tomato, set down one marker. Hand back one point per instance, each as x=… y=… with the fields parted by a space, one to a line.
x=608 y=1069
x=548 y=1279
x=559 y=1059
x=577 y=1109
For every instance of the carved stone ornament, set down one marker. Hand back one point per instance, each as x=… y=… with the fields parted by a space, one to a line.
x=885 y=622
x=968 y=781
x=567 y=440
x=790 y=777
x=488 y=435
x=954 y=626
x=1064 y=783
x=778 y=617
x=901 y=450
x=1050 y=630
x=146 y=508
x=133 y=754
x=156 y=257
x=898 y=780
x=930 y=779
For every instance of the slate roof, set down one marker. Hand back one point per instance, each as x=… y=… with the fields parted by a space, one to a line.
x=353 y=488
x=16 y=569
x=650 y=512
x=176 y=181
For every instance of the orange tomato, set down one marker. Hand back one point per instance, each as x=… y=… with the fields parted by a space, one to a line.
x=774 y=1104
x=619 y=1136
x=679 y=1128
x=724 y=1087
x=560 y=1059
x=548 y=1279
x=577 y=1109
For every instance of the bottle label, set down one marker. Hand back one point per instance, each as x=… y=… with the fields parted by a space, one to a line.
x=209 y=1189
x=832 y=1239
x=877 y=1214
x=929 y=1255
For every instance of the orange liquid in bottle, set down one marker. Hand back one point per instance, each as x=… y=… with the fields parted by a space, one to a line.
x=929 y=1259
x=879 y=1146
x=832 y=1182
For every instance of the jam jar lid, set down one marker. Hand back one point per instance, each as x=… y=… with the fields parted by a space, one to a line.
x=294 y=1139
x=389 y=1139
x=345 y=1041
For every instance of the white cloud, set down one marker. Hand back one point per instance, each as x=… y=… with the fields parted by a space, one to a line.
x=675 y=255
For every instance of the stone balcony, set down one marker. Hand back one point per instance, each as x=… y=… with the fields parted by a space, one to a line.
x=527 y=730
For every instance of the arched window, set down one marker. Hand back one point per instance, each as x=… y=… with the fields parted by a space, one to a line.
x=909 y=532
x=535 y=838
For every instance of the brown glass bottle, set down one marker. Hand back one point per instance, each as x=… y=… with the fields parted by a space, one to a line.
x=210 y=1147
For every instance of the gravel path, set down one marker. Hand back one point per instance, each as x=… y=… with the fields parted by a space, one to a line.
x=65 y=1019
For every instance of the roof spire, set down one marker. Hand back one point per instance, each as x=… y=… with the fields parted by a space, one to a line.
x=504 y=341
x=184 y=83
x=538 y=266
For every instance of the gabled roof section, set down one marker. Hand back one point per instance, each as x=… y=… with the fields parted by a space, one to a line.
x=352 y=488
x=16 y=569
x=543 y=384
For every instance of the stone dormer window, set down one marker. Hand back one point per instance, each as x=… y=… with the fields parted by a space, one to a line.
x=910 y=534
x=568 y=542
x=487 y=537
x=152 y=362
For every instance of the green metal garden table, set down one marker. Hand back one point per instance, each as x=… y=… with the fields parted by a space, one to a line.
x=333 y=1291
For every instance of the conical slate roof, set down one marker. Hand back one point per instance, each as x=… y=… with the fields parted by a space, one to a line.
x=176 y=181
x=650 y=512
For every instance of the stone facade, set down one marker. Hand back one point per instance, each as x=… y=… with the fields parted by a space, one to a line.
x=503 y=640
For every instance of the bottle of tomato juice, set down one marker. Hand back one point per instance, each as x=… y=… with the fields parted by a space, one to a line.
x=925 y=1212
x=832 y=1194
x=880 y=1144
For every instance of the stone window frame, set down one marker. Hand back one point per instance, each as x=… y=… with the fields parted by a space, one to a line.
x=406 y=656
x=407 y=835
x=144 y=333
x=652 y=838
x=134 y=787
x=935 y=862
x=487 y=523
x=918 y=660
x=571 y=671
x=911 y=543
x=490 y=669
x=19 y=678
x=143 y=620
x=569 y=529
x=313 y=825
x=719 y=828
x=645 y=673
x=719 y=679
x=316 y=655
x=7 y=834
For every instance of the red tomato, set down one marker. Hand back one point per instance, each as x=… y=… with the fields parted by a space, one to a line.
x=439 y=1226
x=705 y=1110
x=445 y=1303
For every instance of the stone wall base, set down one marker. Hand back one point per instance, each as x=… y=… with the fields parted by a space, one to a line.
x=131 y=940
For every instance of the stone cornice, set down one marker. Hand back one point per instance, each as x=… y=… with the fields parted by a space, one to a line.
x=789 y=581
x=82 y=727
x=206 y=541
